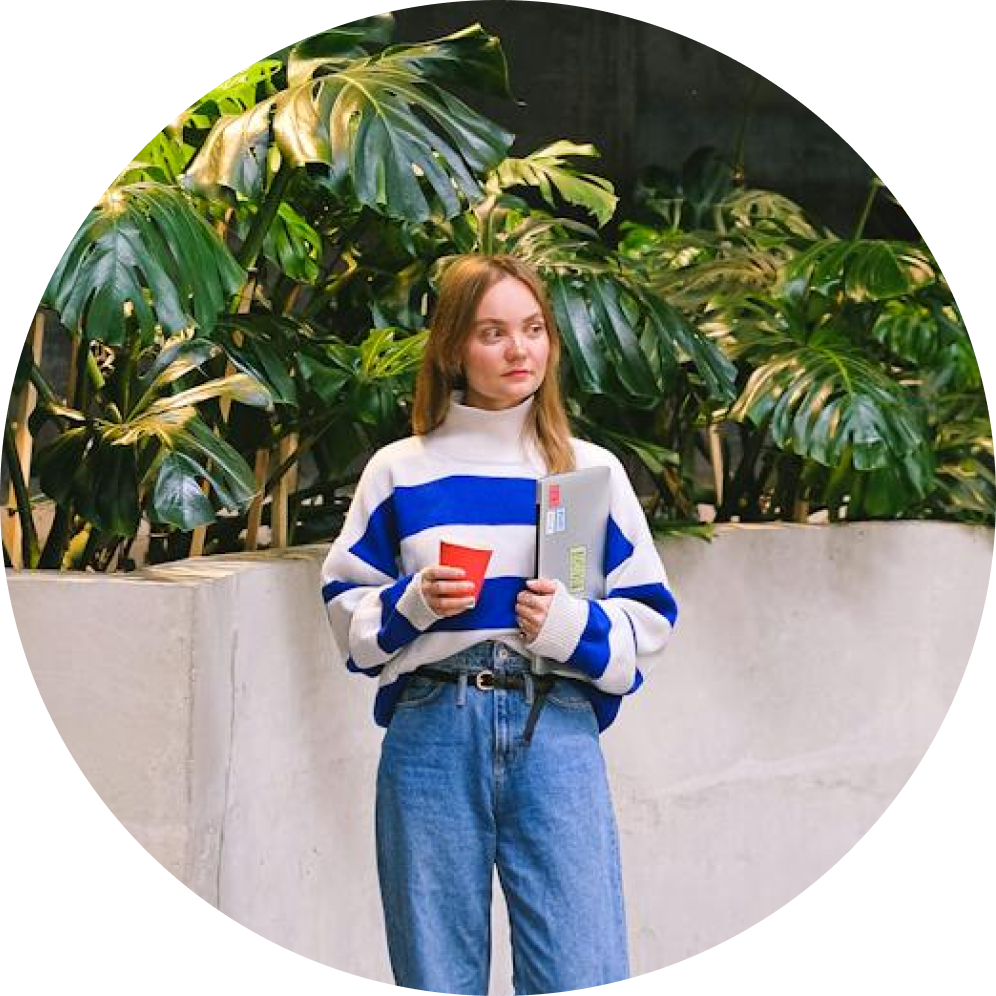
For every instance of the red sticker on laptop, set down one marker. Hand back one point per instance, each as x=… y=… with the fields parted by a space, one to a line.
x=554 y=495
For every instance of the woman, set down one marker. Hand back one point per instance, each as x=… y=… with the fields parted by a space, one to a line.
x=463 y=786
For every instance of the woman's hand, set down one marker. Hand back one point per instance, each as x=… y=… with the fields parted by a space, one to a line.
x=445 y=592
x=533 y=606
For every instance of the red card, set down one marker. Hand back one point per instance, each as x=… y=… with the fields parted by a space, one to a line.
x=554 y=495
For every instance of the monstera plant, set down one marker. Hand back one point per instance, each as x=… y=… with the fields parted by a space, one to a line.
x=245 y=311
x=201 y=233
x=857 y=388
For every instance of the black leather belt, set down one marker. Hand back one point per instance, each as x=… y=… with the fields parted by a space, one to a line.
x=486 y=681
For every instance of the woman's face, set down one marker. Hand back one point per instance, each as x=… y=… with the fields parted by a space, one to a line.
x=506 y=353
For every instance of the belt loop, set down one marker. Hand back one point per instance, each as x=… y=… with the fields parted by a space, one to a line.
x=528 y=678
x=462 y=689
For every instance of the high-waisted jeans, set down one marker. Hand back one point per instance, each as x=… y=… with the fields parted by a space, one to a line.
x=458 y=793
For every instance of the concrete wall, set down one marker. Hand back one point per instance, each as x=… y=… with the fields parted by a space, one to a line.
x=811 y=669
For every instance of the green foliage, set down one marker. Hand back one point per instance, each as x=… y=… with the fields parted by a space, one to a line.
x=846 y=350
x=143 y=256
x=389 y=132
x=143 y=446
x=547 y=170
x=258 y=279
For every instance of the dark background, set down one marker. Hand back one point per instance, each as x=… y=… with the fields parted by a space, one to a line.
x=645 y=96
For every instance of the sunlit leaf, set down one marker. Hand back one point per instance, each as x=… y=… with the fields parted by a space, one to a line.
x=408 y=147
x=142 y=252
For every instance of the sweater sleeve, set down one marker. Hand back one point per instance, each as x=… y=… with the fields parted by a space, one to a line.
x=373 y=608
x=615 y=640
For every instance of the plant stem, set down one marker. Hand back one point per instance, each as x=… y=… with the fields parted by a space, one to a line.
x=29 y=539
x=264 y=217
x=46 y=394
x=744 y=477
x=739 y=157
x=57 y=540
x=863 y=220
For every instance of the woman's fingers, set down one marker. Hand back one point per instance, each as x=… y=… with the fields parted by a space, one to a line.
x=532 y=606
x=446 y=591
x=542 y=586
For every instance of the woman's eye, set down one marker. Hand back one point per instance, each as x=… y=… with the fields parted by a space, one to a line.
x=537 y=329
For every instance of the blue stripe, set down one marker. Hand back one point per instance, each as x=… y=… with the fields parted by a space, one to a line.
x=336 y=588
x=656 y=596
x=495 y=608
x=387 y=697
x=591 y=655
x=637 y=681
x=464 y=500
x=605 y=704
x=395 y=630
x=355 y=668
x=379 y=541
x=618 y=549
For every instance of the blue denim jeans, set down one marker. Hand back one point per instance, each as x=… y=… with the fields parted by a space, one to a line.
x=458 y=793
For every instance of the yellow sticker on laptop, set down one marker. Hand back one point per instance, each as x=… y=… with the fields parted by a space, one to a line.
x=577 y=569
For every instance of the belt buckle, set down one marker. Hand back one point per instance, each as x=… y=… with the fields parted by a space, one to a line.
x=485 y=680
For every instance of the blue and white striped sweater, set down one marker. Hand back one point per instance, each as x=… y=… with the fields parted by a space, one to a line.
x=474 y=480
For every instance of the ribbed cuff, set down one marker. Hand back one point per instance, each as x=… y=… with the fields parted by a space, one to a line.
x=413 y=606
x=566 y=621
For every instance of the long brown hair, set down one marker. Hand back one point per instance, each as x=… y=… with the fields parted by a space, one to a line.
x=464 y=282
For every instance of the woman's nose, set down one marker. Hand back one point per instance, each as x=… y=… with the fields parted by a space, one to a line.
x=516 y=345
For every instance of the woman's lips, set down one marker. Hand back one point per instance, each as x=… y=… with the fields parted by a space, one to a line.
x=517 y=373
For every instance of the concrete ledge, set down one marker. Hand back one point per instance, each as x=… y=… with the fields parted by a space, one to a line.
x=811 y=669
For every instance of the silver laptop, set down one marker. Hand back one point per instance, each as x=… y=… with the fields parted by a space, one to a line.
x=572 y=515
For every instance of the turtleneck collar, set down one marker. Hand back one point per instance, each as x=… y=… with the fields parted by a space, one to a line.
x=478 y=435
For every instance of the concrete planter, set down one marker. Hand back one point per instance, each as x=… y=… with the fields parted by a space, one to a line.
x=811 y=668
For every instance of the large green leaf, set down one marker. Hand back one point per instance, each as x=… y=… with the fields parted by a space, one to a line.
x=267 y=347
x=168 y=154
x=619 y=336
x=407 y=147
x=235 y=387
x=177 y=357
x=821 y=398
x=100 y=480
x=294 y=245
x=676 y=340
x=548 y=170
x=331 y=49
x=105 y=489
x=56 y=463
x=197 y=455
x=230 y=477
x=581 y=342
x=102 y=465
x=929 y=337
x=142 y=255
x=233 y=157
x=178 y=498
x=863 y=269
x=606 y=304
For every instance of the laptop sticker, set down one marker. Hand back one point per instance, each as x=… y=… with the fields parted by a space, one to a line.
x=551 y=521
x=577 y=569
x=561 y=519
